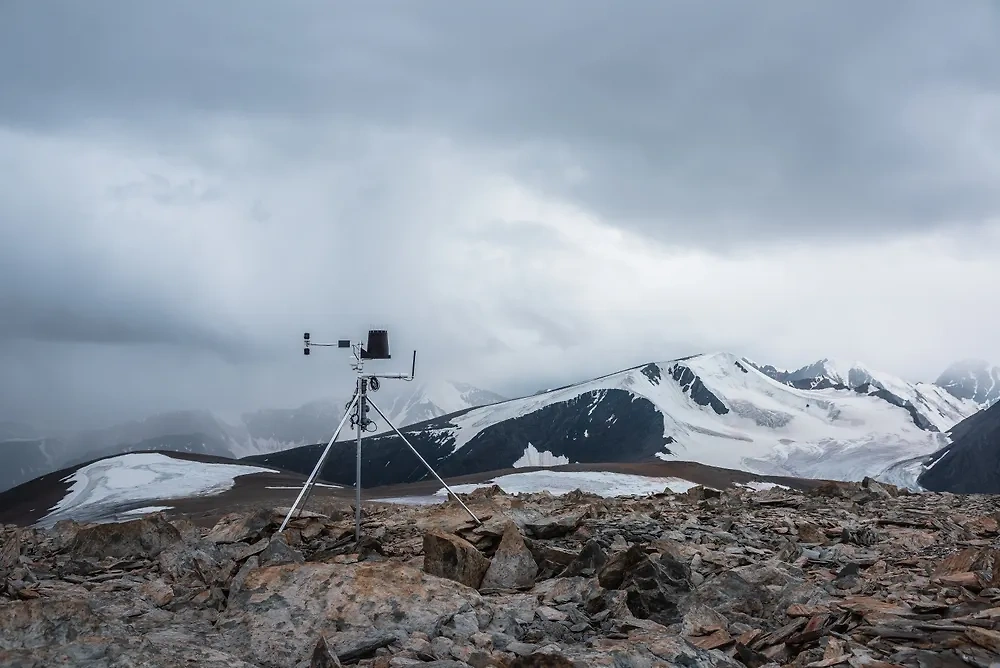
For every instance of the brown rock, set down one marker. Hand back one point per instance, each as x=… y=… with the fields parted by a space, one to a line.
x=135 y=539
x=811 y=533
x=451 y=557
x=512 y=567
x=158 y=592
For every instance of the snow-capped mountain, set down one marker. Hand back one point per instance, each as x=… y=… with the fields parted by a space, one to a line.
x=715 y=409
x=432 y=399
x=930 y=406
x=972 y=379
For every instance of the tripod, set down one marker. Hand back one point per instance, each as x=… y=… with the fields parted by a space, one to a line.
x=378 y=348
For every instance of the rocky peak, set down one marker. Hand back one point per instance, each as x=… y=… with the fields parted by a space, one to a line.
x=972 y=379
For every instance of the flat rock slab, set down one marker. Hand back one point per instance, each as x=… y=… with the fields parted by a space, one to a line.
x=281 y=611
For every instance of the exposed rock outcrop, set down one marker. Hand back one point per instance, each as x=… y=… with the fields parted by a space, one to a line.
x=852 y=575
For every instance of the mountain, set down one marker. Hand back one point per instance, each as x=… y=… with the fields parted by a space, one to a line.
x=433 y=399
x=970 y=464
x=975 y=380
x=715 y=409
x=930 y=406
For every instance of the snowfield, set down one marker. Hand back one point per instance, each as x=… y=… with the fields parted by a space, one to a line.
x=602 y=483
x=128 y=483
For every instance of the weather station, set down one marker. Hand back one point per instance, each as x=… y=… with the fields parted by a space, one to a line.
x=376 y=348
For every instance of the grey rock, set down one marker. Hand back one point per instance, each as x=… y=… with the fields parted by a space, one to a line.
x=512 y=566
x=346 y=603
x=278 y=553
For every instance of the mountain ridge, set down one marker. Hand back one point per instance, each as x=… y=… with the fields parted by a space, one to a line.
x=717 y=409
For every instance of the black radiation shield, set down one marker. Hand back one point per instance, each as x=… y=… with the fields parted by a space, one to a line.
x=378 y=345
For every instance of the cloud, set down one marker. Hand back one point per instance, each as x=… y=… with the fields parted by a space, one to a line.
x=528 y=195
x=710 y=123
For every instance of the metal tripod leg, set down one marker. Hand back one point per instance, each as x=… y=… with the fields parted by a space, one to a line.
x=423 y=461
x=311 y=480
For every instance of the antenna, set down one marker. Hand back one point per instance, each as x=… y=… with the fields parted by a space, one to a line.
x=377 y=349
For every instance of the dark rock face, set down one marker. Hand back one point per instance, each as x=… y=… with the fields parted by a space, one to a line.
x=971 y=464
x=891 y=398
x=691 y=384
x=591 y=427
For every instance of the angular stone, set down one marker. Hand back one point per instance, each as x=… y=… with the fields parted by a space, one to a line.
x=322 y=657
x=591 y=559
x=237 y=527
x=512 y=567
x=451 y=557
x=811 y=533
x=278 y=552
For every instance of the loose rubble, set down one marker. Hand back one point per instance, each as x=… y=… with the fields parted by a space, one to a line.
x=844 y=575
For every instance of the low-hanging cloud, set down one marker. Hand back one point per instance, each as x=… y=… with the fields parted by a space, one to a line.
x=527 y=194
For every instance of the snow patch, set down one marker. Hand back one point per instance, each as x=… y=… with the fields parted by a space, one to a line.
x=602 y=483
x=532 y=457
x=759 y=486
x=109 y=486
x=148 y=510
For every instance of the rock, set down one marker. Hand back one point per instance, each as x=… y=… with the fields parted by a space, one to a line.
x=521 y=648
x=40 y=623
x=158 y=592
x=451 y=557
x=811 y=533
x=553 y=527
x=135 y=539
x=657 y=586
x=346 y=603
x=10 y=552
x=278 y=552
x=239 y=527
x=612 y=575
x=322 y=657
x=512 y=566
x=543 y=660
x=591 y=559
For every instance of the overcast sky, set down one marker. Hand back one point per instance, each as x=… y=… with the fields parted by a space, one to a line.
x=529 y=193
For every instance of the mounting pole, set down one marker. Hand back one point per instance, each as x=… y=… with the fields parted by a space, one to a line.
x=311 y=480
x=362 y=398
x=424 y=461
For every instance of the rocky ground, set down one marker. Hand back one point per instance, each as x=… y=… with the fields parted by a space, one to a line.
x=846 y=574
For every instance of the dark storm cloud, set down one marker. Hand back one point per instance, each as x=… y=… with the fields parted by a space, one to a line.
x=687 y=119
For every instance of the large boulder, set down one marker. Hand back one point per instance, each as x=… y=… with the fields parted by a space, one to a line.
x=38 y=623
x=512 y=566
x=449 y=556
x=279 y=612
x=135 y=539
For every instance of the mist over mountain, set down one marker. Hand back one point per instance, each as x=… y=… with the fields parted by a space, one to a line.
x=972 y=379
x=28 y=453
